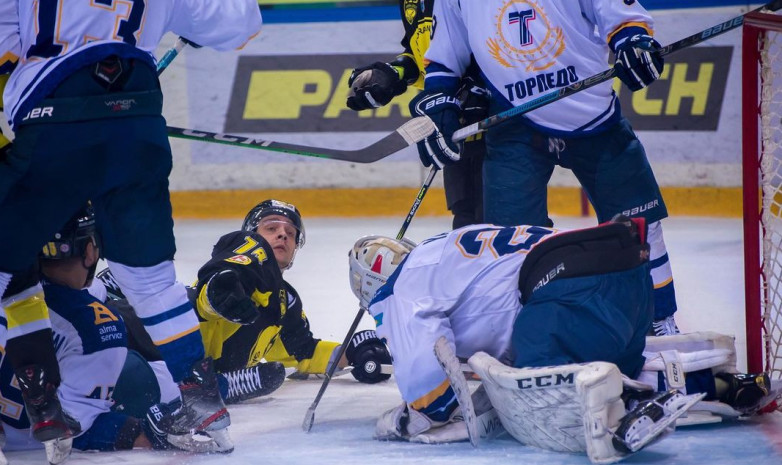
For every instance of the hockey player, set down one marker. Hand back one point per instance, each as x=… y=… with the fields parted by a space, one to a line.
x=249 y=313
x=528 y=49
x=86 y=75
x=91 y=349
x=375 y=85
x=531 y=297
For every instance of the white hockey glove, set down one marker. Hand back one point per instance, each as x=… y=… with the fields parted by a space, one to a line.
x=443 y=109
x=638 y=61
x=408 y=424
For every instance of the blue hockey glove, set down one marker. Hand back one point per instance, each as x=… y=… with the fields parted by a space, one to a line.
x=374 y=86
x=638 y=61
x=443 y=109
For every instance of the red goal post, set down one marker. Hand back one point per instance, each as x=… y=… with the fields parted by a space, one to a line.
x=762 y=189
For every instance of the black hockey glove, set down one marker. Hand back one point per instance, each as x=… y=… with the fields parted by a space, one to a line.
x=366 y=353
x=443 y=109
x=638 y=61
x=475 y=102
x=374 y=86
x=228 y=298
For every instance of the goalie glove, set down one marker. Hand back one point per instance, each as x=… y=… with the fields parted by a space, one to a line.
x=366 y=354
x=227 y=298
x=374 y=86
x=443 y=109
x=638 y=61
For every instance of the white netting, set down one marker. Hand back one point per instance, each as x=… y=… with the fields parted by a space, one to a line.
x=771 y=184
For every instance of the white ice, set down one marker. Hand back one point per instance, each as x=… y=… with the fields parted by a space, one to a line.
x=706 y=255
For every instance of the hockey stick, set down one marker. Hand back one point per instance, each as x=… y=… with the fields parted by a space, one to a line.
x=309 y=417
x=610 y=73
x=169 y=56
x=447 y=358
x=417 y=203
x=408 y=134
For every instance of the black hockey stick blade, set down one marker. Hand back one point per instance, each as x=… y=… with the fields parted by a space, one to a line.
x=610 y=73
x=408 y=134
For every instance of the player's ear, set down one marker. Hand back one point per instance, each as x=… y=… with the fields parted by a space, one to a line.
x=91 y=254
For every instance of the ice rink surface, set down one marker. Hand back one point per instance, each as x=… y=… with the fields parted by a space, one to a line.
x=706 y=255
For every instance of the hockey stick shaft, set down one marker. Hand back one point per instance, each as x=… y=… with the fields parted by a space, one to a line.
x=408 y=134
x=169 y=56
x=417 y=203
x=309 y=417
x=610 y=73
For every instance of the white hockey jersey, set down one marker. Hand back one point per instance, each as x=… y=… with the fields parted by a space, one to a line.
x=526 y=49
x=53 y=38
x=91 y=346
x=462 y=285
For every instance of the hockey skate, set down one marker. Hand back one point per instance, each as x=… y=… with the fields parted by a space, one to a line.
x=49 y=423
x=256 y=381
x=651 y=420
x=201 y=412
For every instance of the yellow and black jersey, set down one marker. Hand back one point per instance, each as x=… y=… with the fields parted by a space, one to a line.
x=417 y=20
x=281 y=333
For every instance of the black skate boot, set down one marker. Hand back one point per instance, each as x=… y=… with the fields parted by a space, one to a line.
x=202 y=409
x=256 y=381
x=48 y=421
x=651 y=420
x=747 y=393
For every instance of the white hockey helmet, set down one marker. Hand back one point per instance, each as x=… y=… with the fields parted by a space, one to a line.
x=372 y=260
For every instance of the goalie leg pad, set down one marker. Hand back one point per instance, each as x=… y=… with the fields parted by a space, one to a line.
x=569 y=408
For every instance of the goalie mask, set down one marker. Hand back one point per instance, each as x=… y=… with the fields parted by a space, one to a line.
x=372 y=260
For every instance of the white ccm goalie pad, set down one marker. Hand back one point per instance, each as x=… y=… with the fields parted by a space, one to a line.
x=569 y=408
x=576 y=408
x=679 y=354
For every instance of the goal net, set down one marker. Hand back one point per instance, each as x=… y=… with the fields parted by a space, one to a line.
x=762 y=173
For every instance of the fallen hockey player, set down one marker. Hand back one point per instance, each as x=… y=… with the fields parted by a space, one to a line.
x=566 y=312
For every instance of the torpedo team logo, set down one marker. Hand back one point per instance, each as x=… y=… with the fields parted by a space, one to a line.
x=525 y=36
x=411 y=8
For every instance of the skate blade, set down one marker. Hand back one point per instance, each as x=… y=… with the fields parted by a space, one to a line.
x=58 y=450
x=212 y=442
x=657 y=429
x=220 y=420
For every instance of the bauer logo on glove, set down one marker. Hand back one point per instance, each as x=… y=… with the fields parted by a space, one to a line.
x=443 y=109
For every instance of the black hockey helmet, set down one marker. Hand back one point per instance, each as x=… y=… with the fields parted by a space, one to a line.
x=275 y=207
x=71 y=240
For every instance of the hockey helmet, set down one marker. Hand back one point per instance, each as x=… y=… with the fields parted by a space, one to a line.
x=372 y=260
x=275 y=207
x=72 y=239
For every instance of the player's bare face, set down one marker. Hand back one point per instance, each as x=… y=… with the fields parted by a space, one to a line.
x=280 y=233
